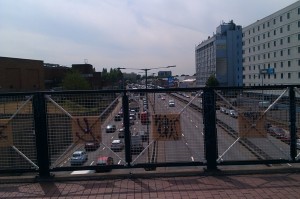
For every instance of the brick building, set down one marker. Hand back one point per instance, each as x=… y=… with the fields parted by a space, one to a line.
x=18 y=74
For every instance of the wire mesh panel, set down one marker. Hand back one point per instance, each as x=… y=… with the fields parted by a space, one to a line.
x=82 y=129
x=17 y=135
x=169 y=128
x=253 y=124
x=297 y=94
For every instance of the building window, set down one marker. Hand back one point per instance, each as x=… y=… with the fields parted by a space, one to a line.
x=274 y=54
x=274 y=76
x=268 y=24
x=281 y=53
x=288 y=15
x=274 y=21
x=281 y=64
x=274 y=65
x=264 y=56
x=253 y=30
x=298 y=24
x=288 y=27
x=298 y=62
x=280 y=18
x=268 y=55
x=249 y=50
x=298 y=36
x=253 y=48
x=281 y=41
x=280 y=29
x=264 y=46
x=289 y=51
x=264 y=36
x=289 y=75
x=268 y=34
x=289 y=63
x=274 y=43
x=288 y=39
x=253 y=39
x=257 y=28
x=264 y=24
x=268 y=44
x=258 y=37
x=298 y=49
x=298 y=11
x=281 y=75
x=298 y=75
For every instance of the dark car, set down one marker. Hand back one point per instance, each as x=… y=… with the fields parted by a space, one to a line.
x=118 y=118
x=91 y=145
x=104 y=161
x=111 y=128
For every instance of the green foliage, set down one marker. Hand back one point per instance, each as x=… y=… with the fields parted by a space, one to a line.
x=212 y=81
x=74 y=81
x=112 y=77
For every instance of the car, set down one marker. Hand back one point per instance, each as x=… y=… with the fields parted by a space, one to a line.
x=111 y=128
x=133 y=115
x=298 y=144
x=121 y=133
x=117 y=145
x=163 y=98
x=276 y=132
x=78 y=158
x=144 y=135
x=233 y=113
x=171 y=103
x=118 y=117
x=104 y=161
x=91 y=145
x=223 y=109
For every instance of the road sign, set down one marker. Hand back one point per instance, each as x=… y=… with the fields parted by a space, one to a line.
x=166 y=127
x=268 y=71
x=171 y=81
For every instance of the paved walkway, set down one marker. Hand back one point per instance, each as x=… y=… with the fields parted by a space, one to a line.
x=232 y=186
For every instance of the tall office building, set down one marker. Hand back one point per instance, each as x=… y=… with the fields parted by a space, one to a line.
x=271 y=49
x=221 y=55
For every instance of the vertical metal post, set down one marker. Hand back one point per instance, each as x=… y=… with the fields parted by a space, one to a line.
x=210 y=130
x=40 y=122
x=125 y=105
x=293 y=136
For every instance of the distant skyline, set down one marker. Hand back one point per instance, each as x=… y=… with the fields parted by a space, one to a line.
x=119 y=33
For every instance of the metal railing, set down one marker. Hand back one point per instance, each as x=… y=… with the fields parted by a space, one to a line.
x=148 y=129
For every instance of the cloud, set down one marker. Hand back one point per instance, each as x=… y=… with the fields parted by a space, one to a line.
x=113 y=33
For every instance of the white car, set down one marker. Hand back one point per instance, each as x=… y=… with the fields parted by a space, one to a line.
x=79 y=157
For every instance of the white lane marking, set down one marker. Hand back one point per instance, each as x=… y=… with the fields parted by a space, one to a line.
x=192 y=158
x=92 y=163
x=191 y=120
x=182 y=134
x=196 y=126
x=112 y=137
x=103 y=148
x=202 y=133
x=186 y=143
x=289 y=164
x=119 y=162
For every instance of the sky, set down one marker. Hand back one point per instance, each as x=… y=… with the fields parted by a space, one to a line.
x=140 y=34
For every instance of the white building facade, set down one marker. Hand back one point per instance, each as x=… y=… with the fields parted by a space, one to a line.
x=273 y=42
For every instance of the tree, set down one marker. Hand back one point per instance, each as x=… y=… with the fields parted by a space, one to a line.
x=74 y=81
x=212 y=81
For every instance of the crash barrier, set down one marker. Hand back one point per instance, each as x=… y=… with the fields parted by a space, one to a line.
x=148 y=129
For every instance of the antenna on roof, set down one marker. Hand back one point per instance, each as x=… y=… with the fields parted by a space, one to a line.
x=86 y=61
